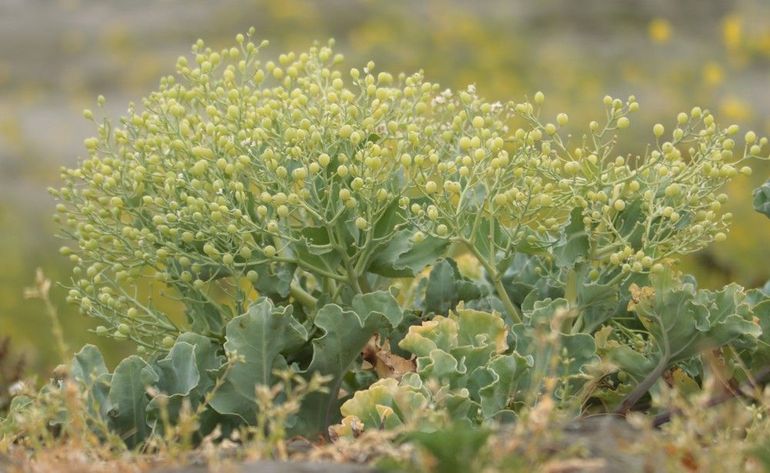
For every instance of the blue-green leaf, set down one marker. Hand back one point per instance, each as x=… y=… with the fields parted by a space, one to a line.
x=128 y=400
x=261 y=336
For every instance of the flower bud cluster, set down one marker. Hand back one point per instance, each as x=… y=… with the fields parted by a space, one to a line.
x=232 y=168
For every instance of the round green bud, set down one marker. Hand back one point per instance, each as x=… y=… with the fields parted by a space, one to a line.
x=227 y=259
x=539 y=98
x=619 y=205
x=361 y=223
x=442 y=230
x=210 y=249
x=124 y=329
x=562 y=119
x=571 y=168
x=673 y=190
x=252 y=276
x=658 y=130
x=623 y=122
x=431 y=187
x=478 y=122
x=324 y=160
x=269 y=251
x=168 y=342
x=418 y=237
x=720 y=237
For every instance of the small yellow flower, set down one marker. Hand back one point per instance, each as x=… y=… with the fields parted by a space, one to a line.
x=659 y=30
x=732 y=31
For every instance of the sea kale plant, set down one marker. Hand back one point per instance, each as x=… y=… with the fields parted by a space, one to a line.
x=418 y=249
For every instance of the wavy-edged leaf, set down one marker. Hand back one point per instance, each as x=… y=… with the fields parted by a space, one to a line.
x=261 y=336
x=508 y=375
x=177 y=375
x=88 y=367
x=402 y=257
x=345 y=333
x=128 y=400
x=381 y=302
x=573 y=245
x=762 y=199
x=402 y=401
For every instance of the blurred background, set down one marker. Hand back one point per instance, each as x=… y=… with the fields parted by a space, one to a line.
x=56 y=56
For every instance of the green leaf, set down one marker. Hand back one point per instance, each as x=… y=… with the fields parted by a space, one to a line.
x=684 y=325
x=630 y=223
x=521 y=276
x=88 y=364
x=762 y=199
x=455 y=449
x=202 y=314
x=573 y=245
x=315 y=248
x=761 y=356
x=401 y=257
x=543 y=311
x=381 y=302
x=441 y=292
x=421 y=255
x=128 y=400
x=261 y=336
x=388 y=221
x=274 y=280
x=489 y=237
x=207 y=360
x=597 y=303
x=88 y=367
x=508 y=373
x=386 y=403
x=177 y=375
x=574 y=351
x=446 y=287
x=345 y=333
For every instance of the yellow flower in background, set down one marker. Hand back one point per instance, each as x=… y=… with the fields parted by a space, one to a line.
x=732 y=31
x=763 y=43
x=735 y=109
x=713 y=74
x=659 y=30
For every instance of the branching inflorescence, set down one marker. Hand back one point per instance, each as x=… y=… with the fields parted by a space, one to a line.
x=320 y=189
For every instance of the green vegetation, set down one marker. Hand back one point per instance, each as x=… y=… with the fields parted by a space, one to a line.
x=298 y=248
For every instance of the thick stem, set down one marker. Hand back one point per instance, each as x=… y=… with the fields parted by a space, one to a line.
x=513 y=311
x=302 y=296
x=642 y=388
x=507 y=302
